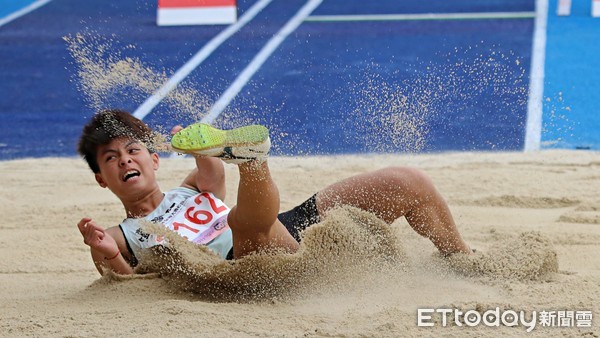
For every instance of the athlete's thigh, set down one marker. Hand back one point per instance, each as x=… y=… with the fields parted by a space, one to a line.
x=388 y=193
x=277 y=238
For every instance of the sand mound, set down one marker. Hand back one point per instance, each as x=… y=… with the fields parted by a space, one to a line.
x=528 y=256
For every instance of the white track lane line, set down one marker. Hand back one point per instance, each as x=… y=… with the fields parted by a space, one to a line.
x=23 y=11
x=535 y=102
x=259 y=60
x=142 y=111
x=423 y=16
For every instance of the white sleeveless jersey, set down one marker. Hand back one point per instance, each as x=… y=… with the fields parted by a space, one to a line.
x=198 y=217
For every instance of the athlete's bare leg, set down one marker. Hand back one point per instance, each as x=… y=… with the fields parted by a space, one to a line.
x=253 y=220
x=394 y=192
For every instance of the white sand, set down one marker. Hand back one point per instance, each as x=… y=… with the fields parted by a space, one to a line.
x=517 y=209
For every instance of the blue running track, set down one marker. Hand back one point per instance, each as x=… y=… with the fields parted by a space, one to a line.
x=336 y=84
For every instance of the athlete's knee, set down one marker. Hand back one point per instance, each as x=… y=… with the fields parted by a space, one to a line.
x=240 y=223
x=406 y=176
x=411 y=182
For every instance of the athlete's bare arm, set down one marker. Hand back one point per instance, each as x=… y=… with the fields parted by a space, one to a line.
x=107 y=247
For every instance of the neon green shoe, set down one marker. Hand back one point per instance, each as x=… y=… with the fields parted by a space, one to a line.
x=236 y=146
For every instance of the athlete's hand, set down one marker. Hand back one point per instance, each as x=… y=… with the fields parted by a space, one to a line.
x=176 y=129
x=167 y=145
x=96 y=237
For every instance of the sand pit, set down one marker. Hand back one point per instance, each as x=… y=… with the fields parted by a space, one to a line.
x=533 y=218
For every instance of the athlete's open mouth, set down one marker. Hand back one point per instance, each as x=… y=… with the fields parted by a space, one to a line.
x=129 y=174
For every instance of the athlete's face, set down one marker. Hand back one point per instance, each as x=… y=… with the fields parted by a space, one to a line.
x=127 y=168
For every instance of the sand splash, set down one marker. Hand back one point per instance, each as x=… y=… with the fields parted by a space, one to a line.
x=402 y=110
x=404 y=107
x=350 y=247
x=107 y=78
x=348 y=241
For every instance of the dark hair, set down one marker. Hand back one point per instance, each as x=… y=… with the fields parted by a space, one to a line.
x=108 y=125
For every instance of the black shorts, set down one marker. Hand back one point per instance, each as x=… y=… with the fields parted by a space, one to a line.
x=297 y=219
x=301 y=217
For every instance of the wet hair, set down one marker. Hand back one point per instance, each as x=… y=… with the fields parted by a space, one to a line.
x=108 y=125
